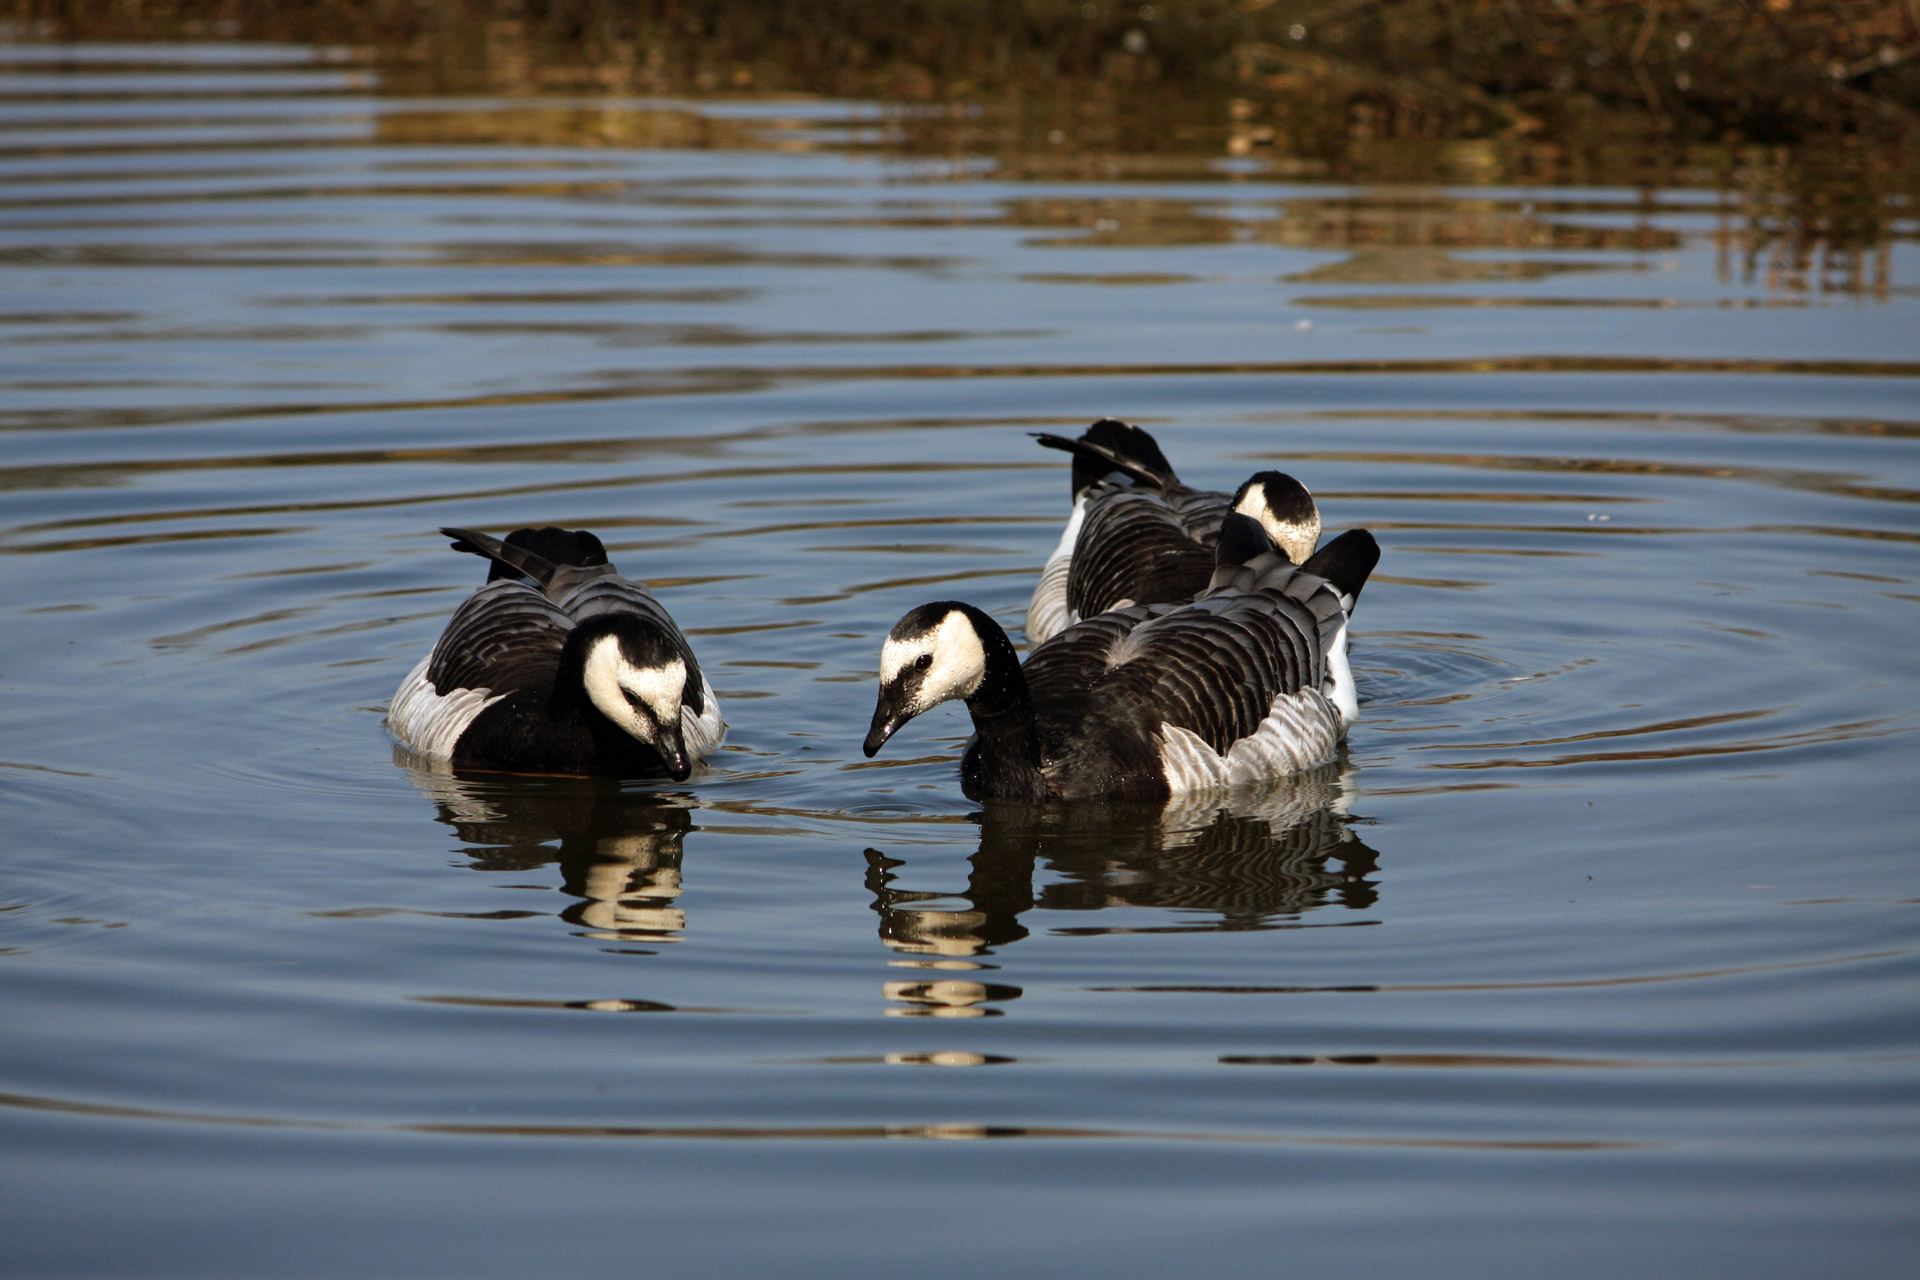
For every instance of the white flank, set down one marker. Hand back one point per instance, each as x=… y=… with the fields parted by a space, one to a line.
x=1047 y=613
x=1300 y=731
x=428 y=722
x=1340 y=687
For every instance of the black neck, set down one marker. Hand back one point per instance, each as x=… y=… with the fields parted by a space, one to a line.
x=1007 y=746
x=569 y=697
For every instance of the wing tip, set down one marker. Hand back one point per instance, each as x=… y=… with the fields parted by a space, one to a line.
x=1346 y=562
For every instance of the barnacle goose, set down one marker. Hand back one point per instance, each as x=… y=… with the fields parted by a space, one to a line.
x=558 y=665
x=1138 y=536
x=1248 y=681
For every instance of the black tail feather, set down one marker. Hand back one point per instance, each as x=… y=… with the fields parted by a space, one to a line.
x=1346 y=562
x=532 y=553
x=516 y=561
x=1128 y=441
x=1110 y=445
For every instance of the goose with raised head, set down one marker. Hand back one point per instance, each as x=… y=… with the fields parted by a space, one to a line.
x=558 y=665
x=1248 y=681
x=1137 y=535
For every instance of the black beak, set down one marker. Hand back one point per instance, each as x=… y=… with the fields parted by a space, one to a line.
x=673 y=753
x=886 y=722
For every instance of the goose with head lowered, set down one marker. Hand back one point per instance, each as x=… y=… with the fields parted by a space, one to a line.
x=1248 y=681
x=1137 y=535
x=558 y=665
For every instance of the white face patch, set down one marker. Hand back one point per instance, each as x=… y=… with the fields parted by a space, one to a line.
x=609 y=678
x=1296 y=539
x=661 y=688
x=959 y=661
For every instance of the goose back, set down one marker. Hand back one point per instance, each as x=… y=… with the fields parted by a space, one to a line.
x=1143 y=546
x=1138 y=535
x=1154 y=700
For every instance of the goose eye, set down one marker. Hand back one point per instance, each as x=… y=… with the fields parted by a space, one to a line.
x=922 y=662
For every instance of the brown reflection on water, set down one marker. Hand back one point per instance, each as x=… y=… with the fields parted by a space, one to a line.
x=572 y=124
x=1190 y=94
x=1428 y=301
x=1388 y=239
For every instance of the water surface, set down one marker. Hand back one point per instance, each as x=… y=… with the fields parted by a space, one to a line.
x=1596 y=951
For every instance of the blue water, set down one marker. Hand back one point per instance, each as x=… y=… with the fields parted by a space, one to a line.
x=1596 y=952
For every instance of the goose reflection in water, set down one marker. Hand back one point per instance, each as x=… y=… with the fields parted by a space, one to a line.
x=619 y=850
x=1241 y=862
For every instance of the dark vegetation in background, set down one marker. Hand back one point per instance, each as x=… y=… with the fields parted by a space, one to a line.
x=1705 y=70
x=1806 y=112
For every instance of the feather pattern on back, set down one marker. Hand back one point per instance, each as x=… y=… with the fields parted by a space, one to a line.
x=1230 y=688
x=1143 y=546
x=1138 y=535
x=1247 y=682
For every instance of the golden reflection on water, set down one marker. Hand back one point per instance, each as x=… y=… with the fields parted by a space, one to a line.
x=1779 y=219
x=574 y=124
x=1798 y=217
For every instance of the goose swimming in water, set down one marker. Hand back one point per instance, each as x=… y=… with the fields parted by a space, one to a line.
x=1248 y=681
x=558 y=665
x=1139 y=536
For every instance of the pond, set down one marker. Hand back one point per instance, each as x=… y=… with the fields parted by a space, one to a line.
x=1597 y=951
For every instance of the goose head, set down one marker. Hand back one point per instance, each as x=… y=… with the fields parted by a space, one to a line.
x=637 y=678
x=1284 y=509
x=934 y=653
